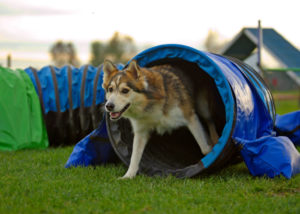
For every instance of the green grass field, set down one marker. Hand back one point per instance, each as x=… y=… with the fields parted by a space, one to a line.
x=35 y=181
x=285 y=106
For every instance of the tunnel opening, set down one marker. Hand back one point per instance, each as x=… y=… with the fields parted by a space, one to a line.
x=173 y=152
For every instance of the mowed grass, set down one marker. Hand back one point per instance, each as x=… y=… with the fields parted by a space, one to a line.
x=286 y=106
x=35 y=181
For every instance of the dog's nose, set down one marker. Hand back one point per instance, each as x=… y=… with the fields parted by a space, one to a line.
x=110 y=106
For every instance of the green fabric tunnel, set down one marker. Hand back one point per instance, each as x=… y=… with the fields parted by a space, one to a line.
x=21 y=124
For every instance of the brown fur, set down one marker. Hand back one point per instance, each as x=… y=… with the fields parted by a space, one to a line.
x=152 y=98
x=173 y=88
x=164 y=86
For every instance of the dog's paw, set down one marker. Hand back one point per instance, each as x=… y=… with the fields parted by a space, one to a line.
x=127 y=176
x=124 y=178
x=207 y=149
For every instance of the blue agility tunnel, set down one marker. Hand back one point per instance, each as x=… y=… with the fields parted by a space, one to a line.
x=245 y=119
x=71 y=100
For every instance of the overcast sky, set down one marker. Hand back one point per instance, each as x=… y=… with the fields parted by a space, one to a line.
x=151 y=22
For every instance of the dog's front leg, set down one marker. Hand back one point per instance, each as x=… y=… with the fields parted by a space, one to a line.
x=139 y=144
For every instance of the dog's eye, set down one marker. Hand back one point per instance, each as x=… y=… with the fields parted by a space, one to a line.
x=125 y=91
x=110 y=89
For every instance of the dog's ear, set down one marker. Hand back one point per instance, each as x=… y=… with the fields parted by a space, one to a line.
x=134 y=69
x=108 y=69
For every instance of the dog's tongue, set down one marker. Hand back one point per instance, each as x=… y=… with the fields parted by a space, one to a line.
x=115 y=114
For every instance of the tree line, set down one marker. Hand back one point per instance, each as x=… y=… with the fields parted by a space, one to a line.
x=119 y=48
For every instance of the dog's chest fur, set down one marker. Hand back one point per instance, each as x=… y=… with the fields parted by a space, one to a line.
x=159 y=121
x=168 y=111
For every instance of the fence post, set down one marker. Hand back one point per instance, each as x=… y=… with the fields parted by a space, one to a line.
x=8 y=60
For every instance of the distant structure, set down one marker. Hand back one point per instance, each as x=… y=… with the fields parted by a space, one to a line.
x=8 y=60
x=276 y=52
x=64 y=54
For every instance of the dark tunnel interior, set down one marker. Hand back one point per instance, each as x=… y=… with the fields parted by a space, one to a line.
x=179 y=149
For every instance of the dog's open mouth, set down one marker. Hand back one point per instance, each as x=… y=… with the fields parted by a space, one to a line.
x=117 y=115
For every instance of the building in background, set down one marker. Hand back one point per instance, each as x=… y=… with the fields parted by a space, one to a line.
x=276 y=52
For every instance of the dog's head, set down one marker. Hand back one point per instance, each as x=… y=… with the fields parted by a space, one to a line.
x=123 y=88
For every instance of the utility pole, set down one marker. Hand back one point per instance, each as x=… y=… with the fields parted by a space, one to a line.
x=259 y=47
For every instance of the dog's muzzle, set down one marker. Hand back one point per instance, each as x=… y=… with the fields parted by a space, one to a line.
x=117 y=115
x=110 y=106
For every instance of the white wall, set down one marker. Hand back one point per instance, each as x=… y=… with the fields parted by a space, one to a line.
x=268 y=61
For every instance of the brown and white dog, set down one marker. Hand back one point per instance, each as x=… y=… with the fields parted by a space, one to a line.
x=153 y=99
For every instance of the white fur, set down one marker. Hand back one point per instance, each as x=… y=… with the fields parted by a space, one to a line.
x=158 y=121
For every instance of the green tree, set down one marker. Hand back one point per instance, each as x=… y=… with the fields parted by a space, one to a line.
x=115 y=46
x=63 y=53
x=213 y=42
x=119 y=48
x=98 y=53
